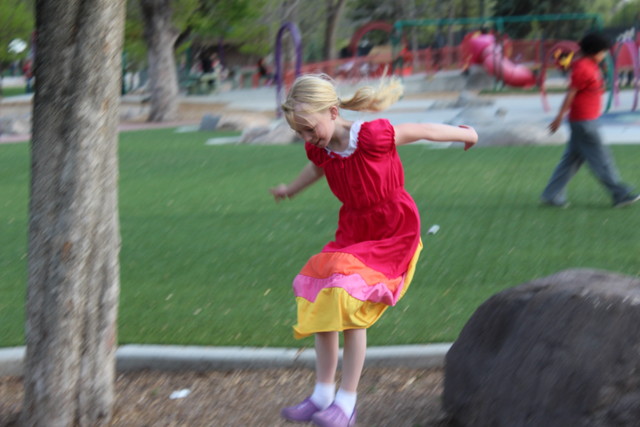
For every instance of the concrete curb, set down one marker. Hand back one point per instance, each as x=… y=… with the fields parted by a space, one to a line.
x=135 y=357
x=11 y=361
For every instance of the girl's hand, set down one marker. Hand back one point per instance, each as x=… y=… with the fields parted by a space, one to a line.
x=280 y=192
x=473 y=137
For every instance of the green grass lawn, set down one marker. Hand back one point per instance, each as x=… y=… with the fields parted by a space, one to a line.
x=13 y=91
x=208 y=257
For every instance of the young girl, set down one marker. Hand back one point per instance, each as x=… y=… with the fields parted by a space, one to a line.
x=369 y=265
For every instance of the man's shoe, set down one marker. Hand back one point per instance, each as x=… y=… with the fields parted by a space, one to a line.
x=630 y=199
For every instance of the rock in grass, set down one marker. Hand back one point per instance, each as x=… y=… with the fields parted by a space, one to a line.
x=209 y=122
x=278 y=132
x=559 y=351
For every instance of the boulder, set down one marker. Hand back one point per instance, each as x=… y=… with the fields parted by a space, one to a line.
x=277 y=133
x=134 y=114
x=519 y=133
x=241 y=121
x=464 y=100
x=15 y=125
x=474 y=79
x=209 y=122
x=555 y=352
x=495 y=128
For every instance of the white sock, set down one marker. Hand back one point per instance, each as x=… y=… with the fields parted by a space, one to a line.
x=323 y=395
x=346 y=401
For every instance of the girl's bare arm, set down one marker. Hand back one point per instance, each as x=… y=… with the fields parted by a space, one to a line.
x=307 y=176
x=411 y=132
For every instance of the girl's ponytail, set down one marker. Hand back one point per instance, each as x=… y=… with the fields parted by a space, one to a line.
x=313 y=93
x=374 y=99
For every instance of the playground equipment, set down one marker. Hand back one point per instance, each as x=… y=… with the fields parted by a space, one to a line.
x=484 y=50
x=517 y=63
x=625 y=58
x=360 y=33
x=279 y=75
x=353 y=68
x=494 y=53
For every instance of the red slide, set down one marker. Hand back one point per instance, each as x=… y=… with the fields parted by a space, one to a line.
x=484 y=50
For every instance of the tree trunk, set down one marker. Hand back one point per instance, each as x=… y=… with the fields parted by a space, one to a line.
x=160 y=36
x=334 y=10
x=74 y=238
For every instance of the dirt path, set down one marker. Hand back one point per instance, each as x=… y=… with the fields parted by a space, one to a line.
x=395 y=397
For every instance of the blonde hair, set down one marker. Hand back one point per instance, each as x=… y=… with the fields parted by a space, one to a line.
x=313 y=93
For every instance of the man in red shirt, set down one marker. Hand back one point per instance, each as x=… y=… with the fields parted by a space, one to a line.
x=583 y=102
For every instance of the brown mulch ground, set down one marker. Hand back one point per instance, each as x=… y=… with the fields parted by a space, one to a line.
x=395 y=397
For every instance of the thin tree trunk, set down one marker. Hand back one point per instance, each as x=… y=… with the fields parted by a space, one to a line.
x=160 y=36
x=334 y=11
x=74 y=241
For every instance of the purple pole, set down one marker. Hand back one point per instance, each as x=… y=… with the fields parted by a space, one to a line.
x=279 y=74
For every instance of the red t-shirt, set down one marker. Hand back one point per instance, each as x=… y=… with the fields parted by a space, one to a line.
x=586 y=78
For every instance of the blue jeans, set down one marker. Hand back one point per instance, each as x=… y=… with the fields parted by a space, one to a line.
x=585 y=144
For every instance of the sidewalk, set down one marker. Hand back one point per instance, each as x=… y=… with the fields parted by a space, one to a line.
x=618 y=126
x=124 y=127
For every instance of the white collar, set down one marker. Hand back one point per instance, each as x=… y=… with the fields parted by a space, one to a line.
x=353 y=140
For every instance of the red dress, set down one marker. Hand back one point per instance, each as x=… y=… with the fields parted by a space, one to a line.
x=369 y=265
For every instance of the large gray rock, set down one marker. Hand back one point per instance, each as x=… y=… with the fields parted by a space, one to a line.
x=562 y=351
x=452 y=81
x=242 y=121
x=495 y=128
x=277 y=133
x=15 y=124
x=209 y=122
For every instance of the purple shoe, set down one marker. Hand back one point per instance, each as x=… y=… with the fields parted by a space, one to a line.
x=303 y=411
x=333 y=416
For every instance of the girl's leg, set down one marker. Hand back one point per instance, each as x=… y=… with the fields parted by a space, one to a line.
x=325 y=389
x=326 y=356
x=327 y=347
x=355 y=348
